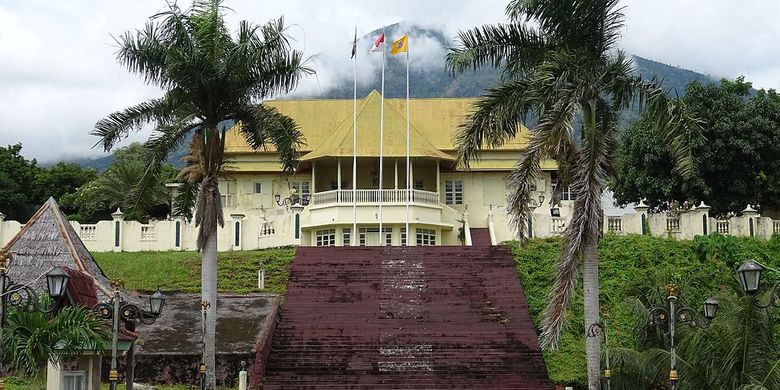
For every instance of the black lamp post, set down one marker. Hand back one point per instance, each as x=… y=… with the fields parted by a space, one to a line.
x=25 y=298
x=603 y=328
x=116 y=309
x=292 y=199
x=672 y=315
x=750 y=278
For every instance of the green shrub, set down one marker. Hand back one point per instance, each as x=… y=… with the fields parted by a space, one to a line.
x=633 y=266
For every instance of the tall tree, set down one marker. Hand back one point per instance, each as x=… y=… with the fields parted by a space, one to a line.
x=17 y=179
x=210 y=80
x=560 y=65
x=735 y=156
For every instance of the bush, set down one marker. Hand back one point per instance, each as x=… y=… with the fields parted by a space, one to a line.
x=633 y=266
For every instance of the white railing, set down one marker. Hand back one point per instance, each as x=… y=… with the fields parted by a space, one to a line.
x=672 y=224
x=615 y=224
x=374 y=196
x=148 y=233
x=775 y=227
x=557 y=224
x=267 y=229
x=88 y=232
x=722 y=227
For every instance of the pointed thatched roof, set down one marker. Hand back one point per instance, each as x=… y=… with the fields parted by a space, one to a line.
x=48 y=240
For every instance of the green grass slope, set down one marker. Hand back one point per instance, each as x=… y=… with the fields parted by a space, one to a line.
x=180 y=271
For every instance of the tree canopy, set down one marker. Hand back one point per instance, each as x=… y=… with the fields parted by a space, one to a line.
x=24 y=185
x=735 y=157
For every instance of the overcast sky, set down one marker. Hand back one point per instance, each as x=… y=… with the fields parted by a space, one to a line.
x=58 y=73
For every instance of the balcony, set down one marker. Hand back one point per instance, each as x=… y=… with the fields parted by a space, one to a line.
x=335 y=207
x=418 y=197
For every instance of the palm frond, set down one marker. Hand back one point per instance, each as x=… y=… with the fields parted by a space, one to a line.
x=261 y=125
x=515 y=47
x=184 y=201
x=168 y=139
x=594 y=159
x=496 y=118
x=118 y=125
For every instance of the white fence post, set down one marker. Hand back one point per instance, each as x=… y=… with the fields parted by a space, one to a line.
x=118 y=228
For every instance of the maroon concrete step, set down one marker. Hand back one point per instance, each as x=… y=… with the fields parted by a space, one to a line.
x=447 y=317
x=480 y=237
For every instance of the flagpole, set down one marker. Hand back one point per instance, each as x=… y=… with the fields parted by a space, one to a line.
x=354 y=235
x=381 y=140
x=408 y=161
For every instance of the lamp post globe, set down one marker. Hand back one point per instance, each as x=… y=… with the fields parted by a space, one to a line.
x=710 y=308
x=750 y=276
x=156 y=302
x=57 y=282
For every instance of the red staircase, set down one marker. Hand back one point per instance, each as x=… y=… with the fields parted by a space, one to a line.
x=404 y=318
x=480 y=237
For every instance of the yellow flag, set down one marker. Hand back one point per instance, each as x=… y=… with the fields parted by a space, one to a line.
x=400 y=45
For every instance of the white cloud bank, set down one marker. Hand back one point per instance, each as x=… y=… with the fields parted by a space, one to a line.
x=58 y=73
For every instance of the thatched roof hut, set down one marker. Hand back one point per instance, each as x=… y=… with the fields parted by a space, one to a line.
x=48 y=240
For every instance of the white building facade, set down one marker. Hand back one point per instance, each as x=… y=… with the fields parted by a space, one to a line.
x=321 y=204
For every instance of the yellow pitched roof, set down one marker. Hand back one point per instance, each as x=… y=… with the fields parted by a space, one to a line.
x=339 y=142
x=437 y=120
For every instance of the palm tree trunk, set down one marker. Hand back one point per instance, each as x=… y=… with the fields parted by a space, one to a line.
x=590 y=282
x=208 y=280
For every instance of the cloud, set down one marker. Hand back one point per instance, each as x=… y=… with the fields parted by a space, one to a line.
x=58 y=73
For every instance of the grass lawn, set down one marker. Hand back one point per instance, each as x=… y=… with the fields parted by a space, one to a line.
x=180 y=271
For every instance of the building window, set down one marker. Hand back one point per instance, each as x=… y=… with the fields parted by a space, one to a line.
x=418 y=185
x=346 y=236
x=74 y=380
x=371 y=236
x=453 y=191
x=426 y=237
x=403 y=236
x=258 y=188
x=326 y=237
x=300 y=187
x=566 y=193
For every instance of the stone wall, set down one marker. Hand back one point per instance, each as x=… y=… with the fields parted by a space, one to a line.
x=176 y=368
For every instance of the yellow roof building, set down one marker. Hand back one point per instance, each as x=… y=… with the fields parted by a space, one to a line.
x=327 y=126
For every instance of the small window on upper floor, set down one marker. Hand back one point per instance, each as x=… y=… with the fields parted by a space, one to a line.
x=453 y=191
x=567 y=194
x=258 y=188
x=300 y=187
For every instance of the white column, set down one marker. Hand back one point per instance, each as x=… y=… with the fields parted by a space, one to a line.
x=411 y=175
x=492 y=226
x=338 y=180
x=396 y=173
x=118 y=229
x=54 y=376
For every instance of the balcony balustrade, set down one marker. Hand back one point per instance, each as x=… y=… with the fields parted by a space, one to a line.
x=374 y=196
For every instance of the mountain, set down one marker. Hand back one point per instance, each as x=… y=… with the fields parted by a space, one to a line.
x=433 y=80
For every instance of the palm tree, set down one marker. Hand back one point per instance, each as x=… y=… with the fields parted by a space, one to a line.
x=560 y=66
x=737 y=351
x=31 y=339
x=210 y=81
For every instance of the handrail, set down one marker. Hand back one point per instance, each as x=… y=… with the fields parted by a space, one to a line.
x=364 y=196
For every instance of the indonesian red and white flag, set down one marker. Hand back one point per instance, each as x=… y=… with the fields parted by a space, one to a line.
x=379 y=44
